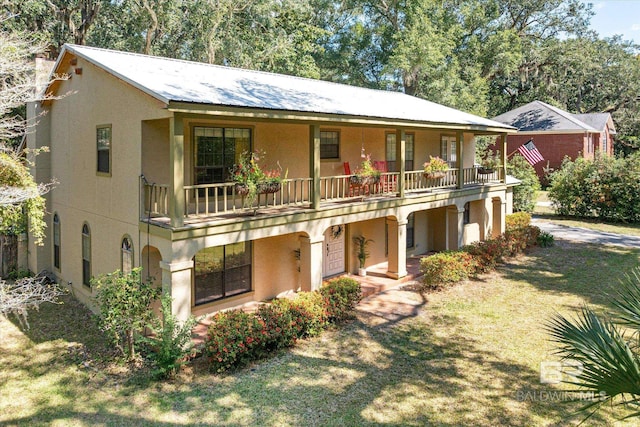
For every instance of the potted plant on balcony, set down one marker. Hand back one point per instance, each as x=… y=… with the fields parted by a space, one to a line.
x=489 y=163
x=435 y=168
x=362 y=253
x=250 y=180
x=366 y=174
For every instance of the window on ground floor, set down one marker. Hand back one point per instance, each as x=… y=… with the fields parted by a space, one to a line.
x=466 y=218
x=86 y=255
x=410 y=231
x=56 y=241
x=126 y=252
x=222 y=272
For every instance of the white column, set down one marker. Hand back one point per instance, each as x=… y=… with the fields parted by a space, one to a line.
x=311 y=262
x=397 y=265
x=176 y=279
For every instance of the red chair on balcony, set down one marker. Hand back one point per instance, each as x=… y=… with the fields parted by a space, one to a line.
x=385 y=185
x=354 y=189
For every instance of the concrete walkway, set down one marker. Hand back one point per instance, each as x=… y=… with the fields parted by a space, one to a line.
x=585 y=235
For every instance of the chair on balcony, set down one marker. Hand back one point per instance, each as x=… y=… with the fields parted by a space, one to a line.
x=354 y=189
x=385 y=185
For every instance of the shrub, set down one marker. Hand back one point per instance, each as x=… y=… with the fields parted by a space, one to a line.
x=341 y=297
x=234 y=338
x=517 y=220
x=524 y=195
x=607 y=188
x=170 y=342
x=308 y=311
x=486 y=254
x=446 y=267
x=282 y=330
x=124 y=301
x=545 y=239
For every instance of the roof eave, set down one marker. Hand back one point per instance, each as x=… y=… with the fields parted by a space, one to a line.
x=325 y=118
x=68 y=49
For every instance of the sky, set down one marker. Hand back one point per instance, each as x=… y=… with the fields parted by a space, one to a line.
x=616 y=17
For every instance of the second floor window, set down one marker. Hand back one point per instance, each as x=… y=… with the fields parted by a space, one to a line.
x=103 y=139
x=329 y=144
x=448 y=150
x=392 y=163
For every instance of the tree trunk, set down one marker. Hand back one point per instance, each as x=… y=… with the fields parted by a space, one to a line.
x=8 y=255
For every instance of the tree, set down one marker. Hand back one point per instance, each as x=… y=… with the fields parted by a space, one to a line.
x=124 y=301
x=55 y=22
x=524 y=195
x=609 y=358
x=21 y=197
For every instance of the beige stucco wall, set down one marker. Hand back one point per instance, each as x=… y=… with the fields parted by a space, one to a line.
x=108 y=204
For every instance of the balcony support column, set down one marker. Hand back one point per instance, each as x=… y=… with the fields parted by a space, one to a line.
x=503 y=169
x=455 y=228
x=176 y=280
x=176 y=171
x=401 y=157
x=314 y=165
x=460 y=160
x=397 y=265
x=311 y=262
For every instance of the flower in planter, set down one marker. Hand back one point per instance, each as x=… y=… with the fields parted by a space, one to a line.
x=252 y=180
x=435 y=167
x=490 y=162
x=366 y=174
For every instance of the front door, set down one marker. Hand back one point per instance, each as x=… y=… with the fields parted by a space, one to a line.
x=333 y=259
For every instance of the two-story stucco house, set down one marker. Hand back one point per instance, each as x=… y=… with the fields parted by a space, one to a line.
x=142 y=147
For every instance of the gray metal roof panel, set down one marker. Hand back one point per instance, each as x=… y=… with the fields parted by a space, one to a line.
x=191 y=82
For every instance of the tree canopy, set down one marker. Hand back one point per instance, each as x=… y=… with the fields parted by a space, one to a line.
x=481 y=56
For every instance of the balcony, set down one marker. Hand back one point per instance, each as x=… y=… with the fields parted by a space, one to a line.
x=219 y=202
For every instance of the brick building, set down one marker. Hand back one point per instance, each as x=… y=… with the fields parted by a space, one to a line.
x=557 y=133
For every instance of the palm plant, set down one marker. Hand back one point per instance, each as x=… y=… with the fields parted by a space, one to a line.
x=610 y=358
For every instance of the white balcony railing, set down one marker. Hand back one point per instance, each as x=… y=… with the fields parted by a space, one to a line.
x=219 y=199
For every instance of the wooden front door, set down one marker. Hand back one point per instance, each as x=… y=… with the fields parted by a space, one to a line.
x=333 y=257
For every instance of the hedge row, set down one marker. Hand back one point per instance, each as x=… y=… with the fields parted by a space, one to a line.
x=607 y=188
x=235 y=337
x=450 y=267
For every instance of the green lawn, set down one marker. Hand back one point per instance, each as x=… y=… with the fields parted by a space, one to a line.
x=469 y=356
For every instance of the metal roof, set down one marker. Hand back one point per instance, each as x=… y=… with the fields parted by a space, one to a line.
x=171 y=80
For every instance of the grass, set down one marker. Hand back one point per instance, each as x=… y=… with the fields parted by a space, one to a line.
x=469 y=355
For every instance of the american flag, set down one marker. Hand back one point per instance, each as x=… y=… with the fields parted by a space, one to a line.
x=530 y=153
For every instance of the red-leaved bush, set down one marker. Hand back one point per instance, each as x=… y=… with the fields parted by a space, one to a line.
x=235 y=337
